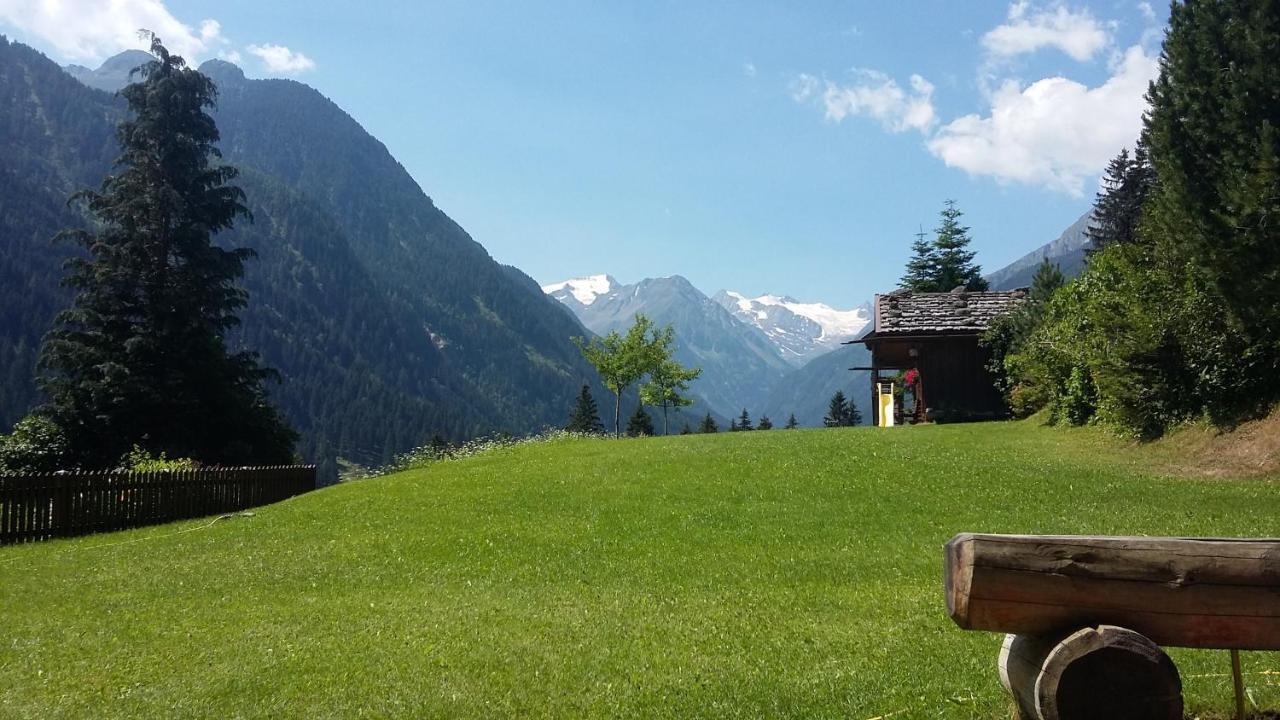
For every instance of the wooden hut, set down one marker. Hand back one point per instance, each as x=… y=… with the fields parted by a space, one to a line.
x=937 y=334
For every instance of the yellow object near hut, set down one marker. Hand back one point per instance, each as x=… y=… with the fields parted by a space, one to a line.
x=886 y=404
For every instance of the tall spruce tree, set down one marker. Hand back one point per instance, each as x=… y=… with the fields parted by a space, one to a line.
x=1117 y=210
x=792 y=423
x=140 y=357
x=744 y=421
x=1213 y=133
x=955 y=260
x=708 y=425
x=765 y=423
x=585 y=417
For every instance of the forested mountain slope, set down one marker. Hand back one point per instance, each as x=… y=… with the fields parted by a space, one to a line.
x=387 y=321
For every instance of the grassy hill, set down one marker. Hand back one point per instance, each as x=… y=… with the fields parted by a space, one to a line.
x=781 y=574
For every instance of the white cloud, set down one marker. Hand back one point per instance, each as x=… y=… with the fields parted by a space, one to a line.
x=84 y=30
x=1148 y=12
x=1075 y=32
x=1054 y=132
x=749 y=69
x=280 y=59
x=875 y=95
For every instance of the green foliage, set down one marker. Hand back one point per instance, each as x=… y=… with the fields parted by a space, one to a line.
x=640 y=424
x=37 y=444
x=644 y=351
x=744 y=421
x=841 y=412
x=668 y=379
x=708 y=425
x=945 y=263
x=1117 y=212
x=765 y=423
x=1177 y=315
x=1008 y=334
x=585 y=417
x=140 y=357
x=139 y=460
x=791 y=422
x=621 y=360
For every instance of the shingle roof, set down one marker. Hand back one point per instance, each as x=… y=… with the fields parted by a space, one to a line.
x=903 y=312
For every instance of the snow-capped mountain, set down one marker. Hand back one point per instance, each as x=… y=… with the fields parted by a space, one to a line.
x=739 y=365
x=583 y=291
x=800 y=331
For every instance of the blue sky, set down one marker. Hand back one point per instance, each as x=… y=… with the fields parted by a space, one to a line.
x=750 y=146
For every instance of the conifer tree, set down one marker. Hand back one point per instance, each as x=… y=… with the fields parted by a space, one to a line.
x=792 y=424
x=744 y=421
x=733 y=425
x=922 y=268
x=955 y=260
x=640 y=424
x=765 y=423
x=1117 y=211
x=708 y=425
x=585 y=417
x=837 y=411
x=853 y=416
x=140 y=357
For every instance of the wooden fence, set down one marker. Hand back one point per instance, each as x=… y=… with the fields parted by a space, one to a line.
x=48 y=505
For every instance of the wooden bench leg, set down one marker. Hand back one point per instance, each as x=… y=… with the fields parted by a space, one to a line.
x=1095 y=673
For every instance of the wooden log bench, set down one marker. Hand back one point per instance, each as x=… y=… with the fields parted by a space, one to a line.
x=1086 y=615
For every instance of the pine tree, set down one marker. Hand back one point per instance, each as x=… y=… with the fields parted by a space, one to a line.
x=733 y=425
x=792 y=424
x=853 y=416
x=585 y=417
x=708 y=425
x=140 y=358
x=838 y=411
x=1117 y=210
x=640 y=424
x=744 y=421
x=765 y=423
x=955 y=261
x=922 y=268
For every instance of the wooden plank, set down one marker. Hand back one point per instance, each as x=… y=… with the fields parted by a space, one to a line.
x=1188 y=592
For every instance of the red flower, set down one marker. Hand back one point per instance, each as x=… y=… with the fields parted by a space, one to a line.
x=912 y=377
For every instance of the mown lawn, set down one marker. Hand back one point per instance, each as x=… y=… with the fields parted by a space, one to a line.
x=779 y=574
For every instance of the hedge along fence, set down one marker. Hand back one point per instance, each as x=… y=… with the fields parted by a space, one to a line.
x=47 y=505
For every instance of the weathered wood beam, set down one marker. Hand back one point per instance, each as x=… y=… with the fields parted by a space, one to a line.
x=1187 y=592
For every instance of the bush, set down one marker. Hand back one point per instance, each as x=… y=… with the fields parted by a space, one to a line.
x=139 y=460
x=37 y=444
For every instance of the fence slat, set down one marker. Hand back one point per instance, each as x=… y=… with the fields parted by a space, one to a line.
x=40 y=506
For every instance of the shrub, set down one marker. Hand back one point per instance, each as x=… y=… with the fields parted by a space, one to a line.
x=37 y=444
x=139 y=460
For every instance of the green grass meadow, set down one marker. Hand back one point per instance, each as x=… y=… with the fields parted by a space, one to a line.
x=765 y=574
